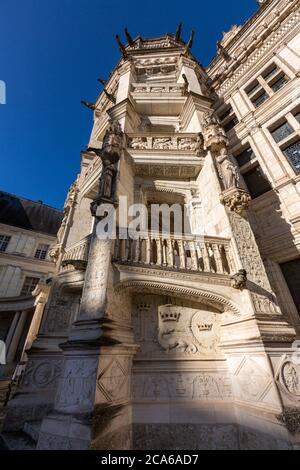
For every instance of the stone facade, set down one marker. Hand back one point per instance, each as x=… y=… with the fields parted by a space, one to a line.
x=27 y=233
x=169 y=341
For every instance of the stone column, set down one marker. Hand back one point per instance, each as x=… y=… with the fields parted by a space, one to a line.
x=98 y=352
x=12 y=349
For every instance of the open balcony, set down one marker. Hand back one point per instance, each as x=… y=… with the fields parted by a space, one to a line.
x=209 y=255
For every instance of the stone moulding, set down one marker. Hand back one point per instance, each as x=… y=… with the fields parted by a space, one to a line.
x=163 y=288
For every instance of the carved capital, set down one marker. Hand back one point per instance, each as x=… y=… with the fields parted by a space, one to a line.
x=236 y=199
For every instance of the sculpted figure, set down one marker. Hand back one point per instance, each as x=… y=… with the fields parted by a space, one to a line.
x=214 y=135
x=229 y=173
x=107 y=179
x=113 y=142
x=239 y=280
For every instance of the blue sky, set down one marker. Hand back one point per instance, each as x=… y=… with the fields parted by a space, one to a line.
x=52 y=52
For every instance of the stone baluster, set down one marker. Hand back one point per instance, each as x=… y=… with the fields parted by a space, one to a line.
x=211 y=254
x=194 y=260
x=137 y=249
x=181 y=254
x=150 y=143
x=164 y=253
x=217 y=258
x=170 y=253
x=148 y=250
x=117 y=249
x=159 y=250
x=230 y=260
x=206 y=260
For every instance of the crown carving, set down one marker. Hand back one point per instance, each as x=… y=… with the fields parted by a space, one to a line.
x=205 y=327
x=169 y=316
x=144 y=306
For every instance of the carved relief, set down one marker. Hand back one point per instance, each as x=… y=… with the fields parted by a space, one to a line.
x=78 y=383
x=252 y=380
x=113 y=381
x=289 y=378
x=214 y=135
x=61 y=312
x=183 y=386
x=42 y=374
x=248 y=251
x=187 y=330
x=177 y=330
x=236 y=199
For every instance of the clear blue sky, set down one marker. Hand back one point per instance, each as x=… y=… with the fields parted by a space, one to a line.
x=52 y=52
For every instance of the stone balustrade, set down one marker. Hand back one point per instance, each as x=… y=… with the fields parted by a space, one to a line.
x=202 y=254
x=76 y=255
x=182 y=142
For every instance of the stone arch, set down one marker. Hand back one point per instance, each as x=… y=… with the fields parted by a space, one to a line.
x=212 y=299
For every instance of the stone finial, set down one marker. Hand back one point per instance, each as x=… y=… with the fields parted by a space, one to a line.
x=190 y=42
x=239 y=280
x=178 y=32
x=128 y=37
x=121 y=47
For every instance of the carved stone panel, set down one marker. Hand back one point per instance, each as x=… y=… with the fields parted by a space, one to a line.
x=181 y=386
x=181 y=329
x=114 y=379
x=288 y=378
x=248 y=251
x=77 y=386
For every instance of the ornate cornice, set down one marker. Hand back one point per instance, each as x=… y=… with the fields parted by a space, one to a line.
x=164 y=288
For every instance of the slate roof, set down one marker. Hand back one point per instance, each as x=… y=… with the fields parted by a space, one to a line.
x=30 y=215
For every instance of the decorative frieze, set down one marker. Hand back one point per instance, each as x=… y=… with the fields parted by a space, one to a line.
x=182 y=142
x=181 y=386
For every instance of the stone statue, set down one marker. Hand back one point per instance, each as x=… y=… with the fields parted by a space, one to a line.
x=239 y=280
x=214 y=135
x=71 y=196
x=229 y=173
x=107 y=179
x=112 y=142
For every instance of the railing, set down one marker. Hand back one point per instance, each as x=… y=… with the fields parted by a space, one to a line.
x=183 y=142
x=76 y=255
x=210 y=255
x=176 y=88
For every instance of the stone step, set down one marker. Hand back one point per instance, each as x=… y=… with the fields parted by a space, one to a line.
x=32 y=429
x=17 y=441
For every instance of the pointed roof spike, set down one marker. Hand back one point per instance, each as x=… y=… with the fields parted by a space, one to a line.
x=128 y=37
x=88 y=104
x=178 y=32
x=191 y=40
x=121 y=47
